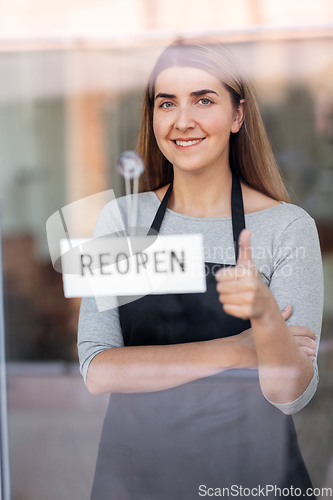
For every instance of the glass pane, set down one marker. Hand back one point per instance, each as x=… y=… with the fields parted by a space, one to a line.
x=65 y=116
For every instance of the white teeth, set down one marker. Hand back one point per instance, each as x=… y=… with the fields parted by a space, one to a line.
x=187 y=143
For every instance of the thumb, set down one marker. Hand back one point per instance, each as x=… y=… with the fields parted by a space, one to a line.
x=245 y=252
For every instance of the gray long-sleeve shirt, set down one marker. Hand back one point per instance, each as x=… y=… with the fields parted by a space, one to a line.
x=285 y=249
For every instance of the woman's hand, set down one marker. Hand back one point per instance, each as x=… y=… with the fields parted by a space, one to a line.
x=241 y=289
x=244 y=295
x=304 y=337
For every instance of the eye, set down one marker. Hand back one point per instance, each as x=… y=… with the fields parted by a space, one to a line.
x=166 y=105
x=205 y=101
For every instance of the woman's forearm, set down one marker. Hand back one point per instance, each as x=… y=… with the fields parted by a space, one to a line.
x=285 y=370
x=155 y=368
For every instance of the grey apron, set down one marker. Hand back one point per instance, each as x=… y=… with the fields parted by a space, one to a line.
x=215 y=432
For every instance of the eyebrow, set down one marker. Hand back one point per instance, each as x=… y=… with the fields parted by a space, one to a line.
x=168 y=96
x=195 y=94
x=203 y=92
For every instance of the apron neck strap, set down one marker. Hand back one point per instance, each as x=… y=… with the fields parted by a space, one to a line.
x=155 y=227
x=237 y=211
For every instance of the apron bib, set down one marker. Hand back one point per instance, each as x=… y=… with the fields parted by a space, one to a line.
x=216 y=432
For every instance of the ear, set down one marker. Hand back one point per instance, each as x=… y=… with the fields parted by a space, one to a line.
x=238 y=117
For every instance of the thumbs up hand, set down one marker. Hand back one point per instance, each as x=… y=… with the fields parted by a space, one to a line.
x=241 y=289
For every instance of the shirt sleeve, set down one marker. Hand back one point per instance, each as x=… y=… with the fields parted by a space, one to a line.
x=99 y=325
x=97 y=331
x=297 y=279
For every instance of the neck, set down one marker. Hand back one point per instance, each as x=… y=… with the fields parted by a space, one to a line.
x=205 y=194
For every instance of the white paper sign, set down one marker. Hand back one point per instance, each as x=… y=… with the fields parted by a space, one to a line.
x=133 y=266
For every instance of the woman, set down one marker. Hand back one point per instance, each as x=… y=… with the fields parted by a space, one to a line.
x=203 y=384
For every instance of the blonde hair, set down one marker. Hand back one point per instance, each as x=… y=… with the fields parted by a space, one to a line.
x=250 y=153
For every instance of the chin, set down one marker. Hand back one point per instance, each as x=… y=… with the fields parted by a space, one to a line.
x=188 y=168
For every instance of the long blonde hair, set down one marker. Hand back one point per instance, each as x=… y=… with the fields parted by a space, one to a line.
x=250 y=153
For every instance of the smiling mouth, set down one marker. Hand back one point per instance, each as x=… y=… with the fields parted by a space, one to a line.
x=188 y=143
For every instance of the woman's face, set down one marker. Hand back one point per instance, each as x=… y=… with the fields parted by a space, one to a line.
x=193 y=118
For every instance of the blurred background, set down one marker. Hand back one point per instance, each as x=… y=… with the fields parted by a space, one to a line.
x=71 y=86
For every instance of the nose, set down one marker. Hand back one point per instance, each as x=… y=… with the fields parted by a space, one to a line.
x=184 y=119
